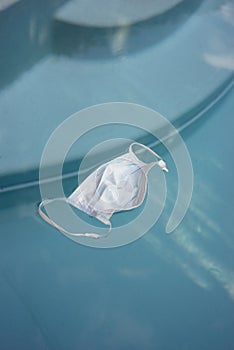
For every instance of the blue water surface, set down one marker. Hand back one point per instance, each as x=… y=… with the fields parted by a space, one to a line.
x=162 y=291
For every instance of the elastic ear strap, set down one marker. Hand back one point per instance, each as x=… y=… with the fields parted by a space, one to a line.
x=52 y=223
x=145 y=147
x=160 y=162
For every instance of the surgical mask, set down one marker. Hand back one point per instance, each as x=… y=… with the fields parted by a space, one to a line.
x=117 y=185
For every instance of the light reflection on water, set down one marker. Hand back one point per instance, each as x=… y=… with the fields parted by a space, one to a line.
x=203 y=245
x=63 y=294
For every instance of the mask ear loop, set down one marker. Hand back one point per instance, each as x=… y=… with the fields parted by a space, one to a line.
x=60 y=228
x=160 y=163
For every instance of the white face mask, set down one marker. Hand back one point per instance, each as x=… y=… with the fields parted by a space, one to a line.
x=117 y=185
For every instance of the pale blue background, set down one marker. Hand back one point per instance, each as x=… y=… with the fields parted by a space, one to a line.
x=161 y=292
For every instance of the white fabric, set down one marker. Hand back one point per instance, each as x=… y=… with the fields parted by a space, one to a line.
x=115 y=186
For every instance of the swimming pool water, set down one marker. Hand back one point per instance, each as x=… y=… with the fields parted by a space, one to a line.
x=160 y=292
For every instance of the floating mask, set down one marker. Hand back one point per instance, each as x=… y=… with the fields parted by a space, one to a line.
x=117 y=185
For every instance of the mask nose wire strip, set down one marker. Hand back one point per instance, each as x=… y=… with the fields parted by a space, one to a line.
x=52 y=223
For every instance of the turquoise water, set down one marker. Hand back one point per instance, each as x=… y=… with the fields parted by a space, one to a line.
x=162 y=291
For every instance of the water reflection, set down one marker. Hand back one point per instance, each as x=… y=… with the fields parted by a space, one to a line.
x=93 y=43
x=199 y=245
x=220 y=61
x=227 y=10
x=219 y=51
x=25 y=35
x=119 y=40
